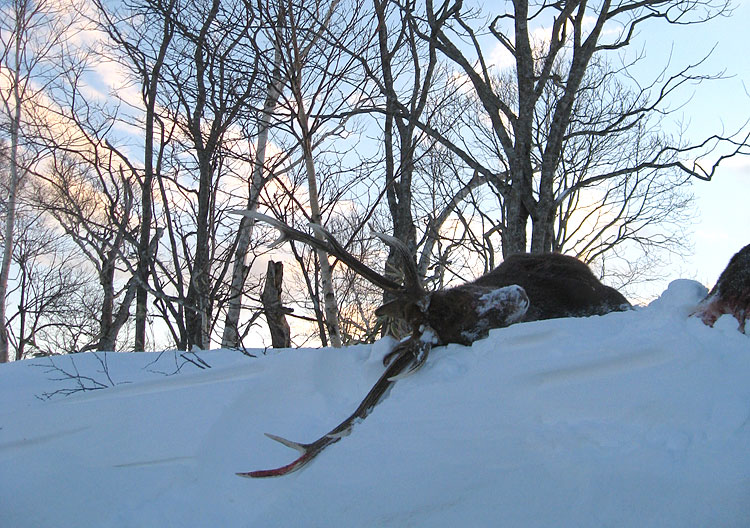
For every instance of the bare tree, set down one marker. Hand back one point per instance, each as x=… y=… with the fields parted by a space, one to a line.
x=54 y=309
x=33 y=34
x=138 y=40
x=404 y=73
x=607 y=194
x=212 y=72
x=534 y=117
x=195 y=68
x=605 y=199
x=94 y=205
x=274 y=35
x=240 y=269
x=322 y=86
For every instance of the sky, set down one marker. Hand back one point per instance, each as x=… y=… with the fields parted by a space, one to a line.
x=723 y=221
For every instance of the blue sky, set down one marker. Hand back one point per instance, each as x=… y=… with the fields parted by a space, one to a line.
x=720 y=106
x=723 y=223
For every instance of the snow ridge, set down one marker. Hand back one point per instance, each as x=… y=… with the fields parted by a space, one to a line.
x=638 y=418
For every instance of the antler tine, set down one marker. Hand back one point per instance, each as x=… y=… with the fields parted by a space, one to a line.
x=336 y=249
x=410 y=353
x=284 y=230
x=330 y=245
x=412 y=281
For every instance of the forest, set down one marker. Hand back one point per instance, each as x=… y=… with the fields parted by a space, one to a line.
x=135 y=133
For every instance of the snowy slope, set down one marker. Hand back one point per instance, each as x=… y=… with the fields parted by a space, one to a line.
x=632 y=419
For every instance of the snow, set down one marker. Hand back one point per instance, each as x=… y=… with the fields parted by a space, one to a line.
x=510 y=304
x=638 y=418
x=507 y=294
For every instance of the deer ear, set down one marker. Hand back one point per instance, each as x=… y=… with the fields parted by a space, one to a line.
x=394 y=308
x=406 y=308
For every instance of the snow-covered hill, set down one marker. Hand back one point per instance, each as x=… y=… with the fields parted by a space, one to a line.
x=639 y=419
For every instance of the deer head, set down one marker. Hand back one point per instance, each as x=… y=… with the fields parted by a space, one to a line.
x=456 y=315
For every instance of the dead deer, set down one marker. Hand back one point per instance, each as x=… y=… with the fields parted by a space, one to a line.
x=731 y=294
x=556 y=286
x=523 y=288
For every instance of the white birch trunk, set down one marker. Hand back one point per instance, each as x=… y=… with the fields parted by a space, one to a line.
x=14 y=112
x=231 y=336
x=330 y=306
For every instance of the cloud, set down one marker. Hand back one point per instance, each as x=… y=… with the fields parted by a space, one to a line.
x=500 y=58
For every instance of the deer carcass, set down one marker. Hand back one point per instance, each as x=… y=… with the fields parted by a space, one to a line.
x=731 y=294
x=523 y=288
x=555 y=286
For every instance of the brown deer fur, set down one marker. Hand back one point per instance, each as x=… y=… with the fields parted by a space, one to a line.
x=466 y=313
x=731 y=294
x=557 y=286
x=551 y=285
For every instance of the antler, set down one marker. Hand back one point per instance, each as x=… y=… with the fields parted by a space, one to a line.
x=409 y=355
x=330 y=245
x=411 y=352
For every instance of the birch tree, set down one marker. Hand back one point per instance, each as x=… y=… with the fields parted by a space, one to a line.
x=33 y=35
x=212 y=72
x=323 y=85
x=240 y=269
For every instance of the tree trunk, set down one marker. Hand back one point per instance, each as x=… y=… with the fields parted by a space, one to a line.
x=516 y=219
x=8 y=247
x=273 y=308
x=399 y=135
x=330 y=305
x=199 y=302
x=143 y=269
x=231 y=334
x=326 y=276
x=12 y=203
x=116 y=319
x=198 y=309
x=108 y=338
x=107 y=282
